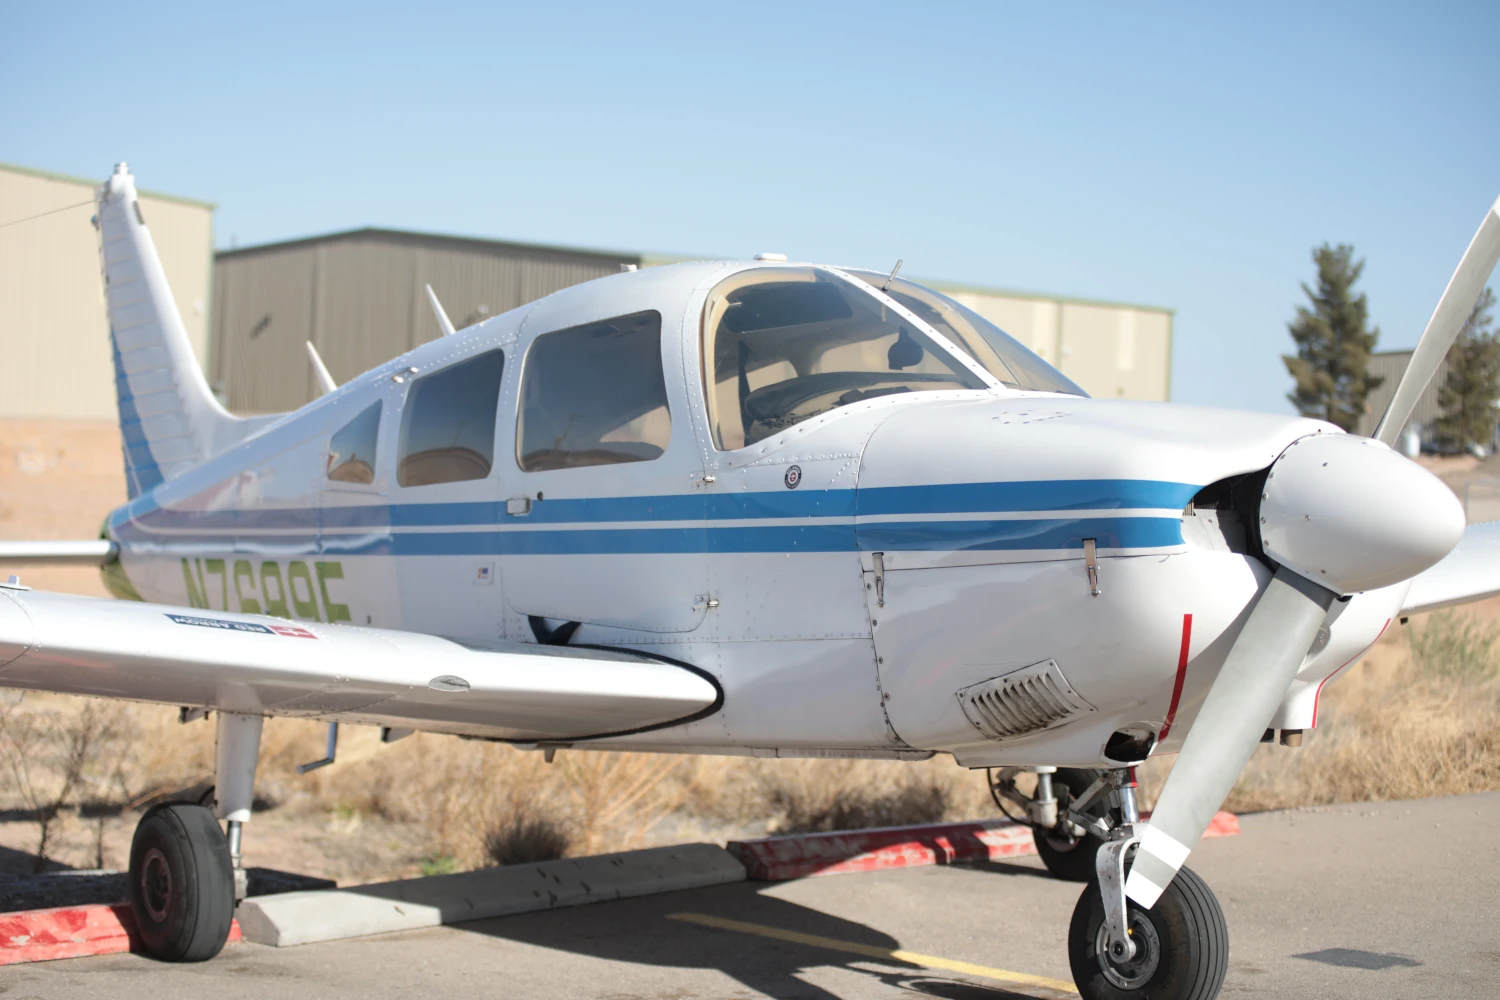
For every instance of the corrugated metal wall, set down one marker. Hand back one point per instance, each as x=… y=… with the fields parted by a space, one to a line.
x=52 y=316
x=359 y=298
x=1392 y=365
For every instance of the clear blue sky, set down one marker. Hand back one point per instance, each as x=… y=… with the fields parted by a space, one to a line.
x=1173 y=155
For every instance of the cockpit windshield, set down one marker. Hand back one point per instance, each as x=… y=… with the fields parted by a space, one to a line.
x=784 y=344
x=1001 y=354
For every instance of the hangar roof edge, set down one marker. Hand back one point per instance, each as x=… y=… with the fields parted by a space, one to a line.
x=419 y=236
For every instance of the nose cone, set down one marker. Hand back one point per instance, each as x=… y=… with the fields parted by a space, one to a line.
x=1352 y=515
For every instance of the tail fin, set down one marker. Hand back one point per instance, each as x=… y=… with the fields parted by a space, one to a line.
x=169 y=419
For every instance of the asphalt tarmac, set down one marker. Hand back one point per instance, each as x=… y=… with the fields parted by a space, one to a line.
x=1396 y=899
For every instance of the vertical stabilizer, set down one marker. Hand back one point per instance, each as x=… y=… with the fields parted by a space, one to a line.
x=169 y=419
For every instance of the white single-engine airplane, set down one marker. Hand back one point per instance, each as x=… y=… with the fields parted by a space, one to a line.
x=784 y=510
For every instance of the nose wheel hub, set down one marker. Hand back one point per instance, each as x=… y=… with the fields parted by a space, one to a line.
x=1136 y=971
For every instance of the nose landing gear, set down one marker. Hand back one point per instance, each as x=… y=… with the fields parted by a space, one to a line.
x=1181 y=946
x=1085 y=824
x=1070 y=814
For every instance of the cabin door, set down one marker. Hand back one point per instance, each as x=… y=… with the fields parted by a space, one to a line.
x=603 y=518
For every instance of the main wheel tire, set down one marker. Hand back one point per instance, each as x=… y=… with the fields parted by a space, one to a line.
x=181 y=883
x=1072 y=858
x=1182 y=946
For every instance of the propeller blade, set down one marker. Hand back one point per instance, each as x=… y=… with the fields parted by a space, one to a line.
x=1446 y=323
x=1256 y=675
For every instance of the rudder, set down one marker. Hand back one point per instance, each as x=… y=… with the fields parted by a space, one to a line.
x=169 y=419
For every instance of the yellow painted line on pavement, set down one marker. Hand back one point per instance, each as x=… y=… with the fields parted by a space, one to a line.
x=1052 y=988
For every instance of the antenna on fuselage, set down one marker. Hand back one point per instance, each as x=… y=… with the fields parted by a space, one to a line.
x=320 y=370
x=892 y=276
x=437 y=310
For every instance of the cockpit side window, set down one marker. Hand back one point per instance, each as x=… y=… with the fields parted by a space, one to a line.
x=594 y=395
x=998 y=352
x=783 y=344
x=351 y=452
x=448 y=423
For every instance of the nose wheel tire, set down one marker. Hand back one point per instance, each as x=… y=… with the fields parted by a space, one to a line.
x=1067 y=857
x=1181 y=946
x=181 y=883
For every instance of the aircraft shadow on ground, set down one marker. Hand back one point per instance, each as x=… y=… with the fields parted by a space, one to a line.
x=641 y=932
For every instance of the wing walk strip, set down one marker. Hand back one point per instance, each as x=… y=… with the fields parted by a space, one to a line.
x=1038 y=986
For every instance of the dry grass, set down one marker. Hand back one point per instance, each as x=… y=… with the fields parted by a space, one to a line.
x=1417 y=718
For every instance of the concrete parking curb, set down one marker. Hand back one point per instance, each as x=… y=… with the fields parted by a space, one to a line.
x=325 y=915
x=776 y=859
x=70 y=932
x=305 y=917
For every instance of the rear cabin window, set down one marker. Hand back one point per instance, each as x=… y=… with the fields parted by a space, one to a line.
x=448 y=423
x=783 y=344
x=594 y=395
x=351 y=453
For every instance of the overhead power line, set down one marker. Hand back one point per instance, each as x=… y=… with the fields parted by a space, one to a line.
x=17 y=222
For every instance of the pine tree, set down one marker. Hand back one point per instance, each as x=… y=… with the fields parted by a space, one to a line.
x=1466 y=402
x=1334 y=341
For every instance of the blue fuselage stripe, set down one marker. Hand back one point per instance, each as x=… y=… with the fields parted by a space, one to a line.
x=834 y=521
x=1058 y=495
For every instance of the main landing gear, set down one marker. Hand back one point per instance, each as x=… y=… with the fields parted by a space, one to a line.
x=1084 y=822
x=185 y=873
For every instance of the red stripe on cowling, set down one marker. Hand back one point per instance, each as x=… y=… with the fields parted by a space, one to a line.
x=1319 y=693
x=1182 y=662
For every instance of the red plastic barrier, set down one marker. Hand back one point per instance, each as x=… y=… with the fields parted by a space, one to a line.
x=776 y=859
x=71 y=932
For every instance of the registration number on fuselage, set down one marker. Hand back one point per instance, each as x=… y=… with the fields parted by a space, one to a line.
x=295 y=589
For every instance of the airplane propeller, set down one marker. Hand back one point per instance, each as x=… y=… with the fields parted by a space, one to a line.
x=1339 y=515
x=1443 y=328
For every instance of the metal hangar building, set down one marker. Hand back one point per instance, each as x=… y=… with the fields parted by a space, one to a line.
x=359 y=297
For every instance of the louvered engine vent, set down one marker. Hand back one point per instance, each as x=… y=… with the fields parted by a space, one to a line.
x=1021 y=702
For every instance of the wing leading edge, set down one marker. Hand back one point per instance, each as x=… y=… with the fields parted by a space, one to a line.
x=270 y=666
x=1470 y=572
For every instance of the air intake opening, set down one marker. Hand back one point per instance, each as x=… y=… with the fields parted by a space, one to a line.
x=1025 y=701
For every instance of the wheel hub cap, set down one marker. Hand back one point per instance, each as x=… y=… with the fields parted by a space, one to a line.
x=156 y=885
x=1138 y=970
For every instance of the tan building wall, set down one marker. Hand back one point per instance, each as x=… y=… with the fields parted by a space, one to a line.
x=1113 y=350
x=52 y=317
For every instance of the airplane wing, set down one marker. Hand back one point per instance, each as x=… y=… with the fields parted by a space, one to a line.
x=1470 y=572
x=94 y=552
x=270 y=666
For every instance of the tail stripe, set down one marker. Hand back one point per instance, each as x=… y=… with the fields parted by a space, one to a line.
x=141 y=471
